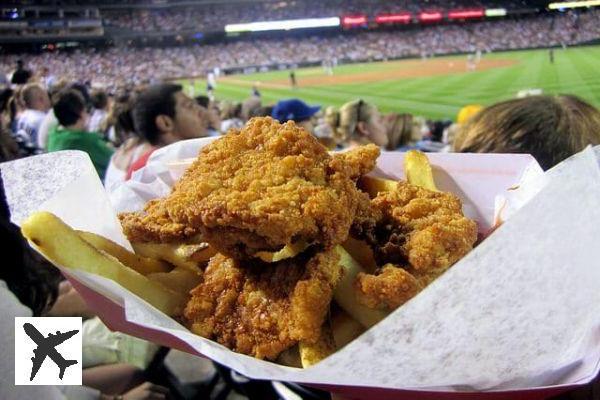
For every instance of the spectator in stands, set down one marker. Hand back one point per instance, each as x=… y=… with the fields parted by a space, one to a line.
x=47 y=79
x=264 y=111
x=298 y=111
x=37 y=103
x=401 y=131
x=250 y=107
x=213 y=113
x=4 y=82
x=16 y=107
x=132 y=146
x=70 y=110
x=464 y=115
x=118 y=132
x=99 y=102
x=162 y=115
x=551 y=128
x=231 y=116
x=9 y=149
x=50 y=122
x=358 y=123
x=21 y=75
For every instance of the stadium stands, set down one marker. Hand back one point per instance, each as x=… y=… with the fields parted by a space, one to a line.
x=215 y=16
x=115 y=66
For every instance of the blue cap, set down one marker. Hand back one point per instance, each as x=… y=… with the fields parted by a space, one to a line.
x=293 y=109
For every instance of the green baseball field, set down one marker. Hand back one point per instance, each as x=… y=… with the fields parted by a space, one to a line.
x=436 y=88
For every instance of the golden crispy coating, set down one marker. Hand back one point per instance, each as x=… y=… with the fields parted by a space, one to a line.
x=422 y=231
x=154 y=225
x=257 y=190
x=356 y=162
x=261 y=310
x=389 y=289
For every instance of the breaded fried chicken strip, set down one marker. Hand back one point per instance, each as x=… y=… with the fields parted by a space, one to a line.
x=259 y=189
x=421 y=231
x=261 y=310
x=389 y=289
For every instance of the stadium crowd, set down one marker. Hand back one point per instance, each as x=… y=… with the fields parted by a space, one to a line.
x=120 y=65
x=216 y=16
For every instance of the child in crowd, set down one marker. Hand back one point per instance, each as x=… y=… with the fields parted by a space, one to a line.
x=356 y=123
x=71 y=134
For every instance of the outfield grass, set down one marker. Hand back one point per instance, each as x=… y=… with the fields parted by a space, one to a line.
x=575 y=71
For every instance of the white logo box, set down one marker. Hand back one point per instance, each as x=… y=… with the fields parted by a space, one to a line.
x=48 y=347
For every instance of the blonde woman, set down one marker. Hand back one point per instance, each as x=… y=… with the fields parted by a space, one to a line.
x=357 y=123
x=403 y=130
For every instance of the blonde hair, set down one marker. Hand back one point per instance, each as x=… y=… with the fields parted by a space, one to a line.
x=345 y=121
x=399 y=131
x=250 y=106
x=551 y=128
x=28 y=94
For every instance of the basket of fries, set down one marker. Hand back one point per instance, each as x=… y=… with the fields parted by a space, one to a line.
x=371 y=275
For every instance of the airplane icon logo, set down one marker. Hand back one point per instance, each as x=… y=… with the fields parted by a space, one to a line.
x=46 y=348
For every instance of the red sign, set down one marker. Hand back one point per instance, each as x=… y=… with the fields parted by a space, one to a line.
x=431 y=16
x=466 y=14
x=354 y=20
x=398 y=18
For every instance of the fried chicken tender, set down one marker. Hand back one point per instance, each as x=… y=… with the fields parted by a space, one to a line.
x=416 y=229
x=389 y=289
x=259 y=189
x=262 y=310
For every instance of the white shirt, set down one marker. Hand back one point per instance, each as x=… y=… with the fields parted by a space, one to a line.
x=96 y=120
x=231 y=123
x=115 y=176
x=29 y=123
x=10 y=307
x=49 y=123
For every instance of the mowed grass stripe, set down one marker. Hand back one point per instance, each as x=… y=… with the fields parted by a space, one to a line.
x=574 y=71
x=582 y=64
x=481 y=90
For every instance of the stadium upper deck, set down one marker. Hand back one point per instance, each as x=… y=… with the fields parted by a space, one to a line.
x=79 y=20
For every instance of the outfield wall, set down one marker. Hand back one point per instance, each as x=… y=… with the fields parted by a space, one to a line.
x=252 y=69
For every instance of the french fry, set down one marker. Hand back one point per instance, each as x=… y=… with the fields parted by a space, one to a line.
x=189 y=256
x=345 y=329
x=180 y=280
x=374 y=185
x=198 y=253
x=312 y=353
x=418 y=170
x=344 y=293
x=62 y=245
x=288 y=251
x=141 y=264
x=360 y=251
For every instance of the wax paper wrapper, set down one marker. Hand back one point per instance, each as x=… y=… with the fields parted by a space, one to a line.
x=518 y=317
